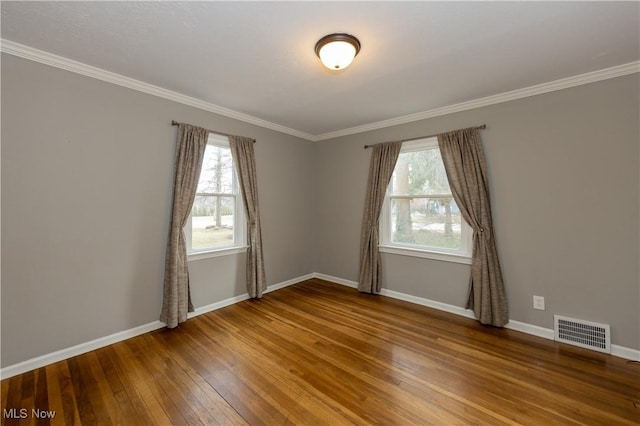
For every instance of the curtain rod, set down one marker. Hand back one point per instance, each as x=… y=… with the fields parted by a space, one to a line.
x=175 y=123
x=482 y=126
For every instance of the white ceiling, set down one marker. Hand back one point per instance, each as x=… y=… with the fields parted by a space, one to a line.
x=257 y=58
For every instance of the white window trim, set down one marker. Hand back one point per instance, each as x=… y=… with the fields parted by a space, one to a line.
x=227 y=251
x=426 y=254
x=239 y=218
x=436 y=253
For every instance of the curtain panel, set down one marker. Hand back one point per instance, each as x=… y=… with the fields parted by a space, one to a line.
x=244 y=158
x=466 y=170
x=383 y=161
x=176 y=301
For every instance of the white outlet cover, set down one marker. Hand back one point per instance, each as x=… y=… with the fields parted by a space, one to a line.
x=538 y=303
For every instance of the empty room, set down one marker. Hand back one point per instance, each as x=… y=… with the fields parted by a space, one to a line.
x=320 y=213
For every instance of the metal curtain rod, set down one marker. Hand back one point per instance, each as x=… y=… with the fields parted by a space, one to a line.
x=175 y=123
x=482 y=126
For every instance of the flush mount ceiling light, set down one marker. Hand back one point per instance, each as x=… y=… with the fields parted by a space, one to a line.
x=336 y=51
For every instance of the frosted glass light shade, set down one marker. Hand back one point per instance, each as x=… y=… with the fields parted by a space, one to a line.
x=337 y=55
x=336 y=51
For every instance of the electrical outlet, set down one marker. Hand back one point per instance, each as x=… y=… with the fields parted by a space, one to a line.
x=538 y=303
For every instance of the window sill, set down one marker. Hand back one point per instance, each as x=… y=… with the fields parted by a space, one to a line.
x=216 y=253
x=446 y=257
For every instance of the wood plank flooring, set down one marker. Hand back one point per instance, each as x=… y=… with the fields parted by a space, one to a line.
x=318 y=353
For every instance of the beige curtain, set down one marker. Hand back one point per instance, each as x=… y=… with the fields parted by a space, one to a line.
x=190 y=146
x=467 y=174
x=244 y=158
x=383 y=161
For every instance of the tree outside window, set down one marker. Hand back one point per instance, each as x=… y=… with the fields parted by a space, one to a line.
x=420 y=212
x=214 y=217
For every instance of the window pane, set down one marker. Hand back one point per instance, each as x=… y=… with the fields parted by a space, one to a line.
x=212 y=222
x=419 y=173
x=430 y=222
x=217 y=171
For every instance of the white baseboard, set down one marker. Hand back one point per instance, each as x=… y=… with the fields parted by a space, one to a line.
x=427 y=302
x=336 y=280
x=402 y=296
x=626 y=353
x=287 y=283
x=41 y=361
x=535 y=330
x=216 y=305
x=547 y=333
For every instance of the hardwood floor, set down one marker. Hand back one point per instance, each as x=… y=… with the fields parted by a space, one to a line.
x=320 y=353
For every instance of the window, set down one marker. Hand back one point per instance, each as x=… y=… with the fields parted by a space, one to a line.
x=216 y=225
x=419 y=215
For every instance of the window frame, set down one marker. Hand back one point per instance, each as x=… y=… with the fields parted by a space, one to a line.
x=386 y=245
x=239 y=244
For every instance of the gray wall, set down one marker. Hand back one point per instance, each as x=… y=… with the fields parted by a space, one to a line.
x=86 y=189
x=565 y=187
x=87 y=171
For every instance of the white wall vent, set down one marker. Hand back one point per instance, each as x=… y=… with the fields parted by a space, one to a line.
x=585 y=334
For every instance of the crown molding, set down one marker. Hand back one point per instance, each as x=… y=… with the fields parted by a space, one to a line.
x=565 y=83
x=46 y=58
